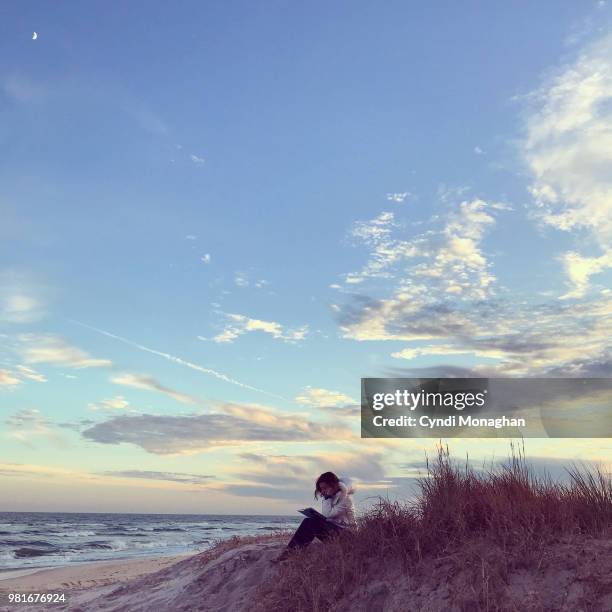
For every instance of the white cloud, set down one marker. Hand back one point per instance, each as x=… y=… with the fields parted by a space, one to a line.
x=179 y=477
x=14 y=377
x=385 y=251
x=229 y=334
x=19 y=304
x=54 y=350
x=450 y=260
x=242 y=324
x=199 y=161
x=206 y=258
x=241 y=280
x=520 y=338
x=30 y=374
x=436 y=349
x=313 y=396
x=446 y=294
x=579 y=269
x=8 y=379
x=114 y=403
x=148 y=383
x=568 y=150
x=479 y=151
x=398 y=197
x=19 y=298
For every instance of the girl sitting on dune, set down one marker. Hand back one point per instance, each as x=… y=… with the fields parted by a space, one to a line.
x=337 y=508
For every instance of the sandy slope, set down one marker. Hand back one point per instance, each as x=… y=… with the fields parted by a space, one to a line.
x=224 y=583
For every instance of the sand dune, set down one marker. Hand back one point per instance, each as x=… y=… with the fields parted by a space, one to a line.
x=227 y=579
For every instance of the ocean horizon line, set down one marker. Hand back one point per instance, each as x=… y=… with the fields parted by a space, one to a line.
x=143 y=513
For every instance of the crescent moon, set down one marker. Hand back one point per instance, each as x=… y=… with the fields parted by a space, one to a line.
x=34 y=35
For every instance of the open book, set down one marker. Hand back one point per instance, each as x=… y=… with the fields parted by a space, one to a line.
x=312 y=513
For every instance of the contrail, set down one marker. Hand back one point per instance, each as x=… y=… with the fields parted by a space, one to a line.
x=188 y=364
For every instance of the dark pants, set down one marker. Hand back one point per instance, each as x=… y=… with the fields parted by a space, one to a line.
x=311 y=528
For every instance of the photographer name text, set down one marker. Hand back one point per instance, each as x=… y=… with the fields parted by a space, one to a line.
x=449 y=421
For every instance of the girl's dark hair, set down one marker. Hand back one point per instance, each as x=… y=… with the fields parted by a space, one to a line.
x=327 y=477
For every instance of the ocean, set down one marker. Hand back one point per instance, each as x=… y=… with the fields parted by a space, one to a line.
x=49 y=539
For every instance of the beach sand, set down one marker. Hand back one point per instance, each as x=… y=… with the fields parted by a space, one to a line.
x=83 y=575
x=223 y=580
x=73 y=580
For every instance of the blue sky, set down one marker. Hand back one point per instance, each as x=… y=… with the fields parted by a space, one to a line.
x=240 y=209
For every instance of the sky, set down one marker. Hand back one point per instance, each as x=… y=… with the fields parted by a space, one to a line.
x=216 y=218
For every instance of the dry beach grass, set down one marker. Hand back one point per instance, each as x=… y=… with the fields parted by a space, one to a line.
x=501 y=539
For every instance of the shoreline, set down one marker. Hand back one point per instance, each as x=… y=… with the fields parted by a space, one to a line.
x=88 y=574
x=16 y=572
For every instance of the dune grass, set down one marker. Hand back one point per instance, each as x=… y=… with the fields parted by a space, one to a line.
x=509 y=512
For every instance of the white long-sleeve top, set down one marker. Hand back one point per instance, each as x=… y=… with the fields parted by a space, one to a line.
x=339 y=508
